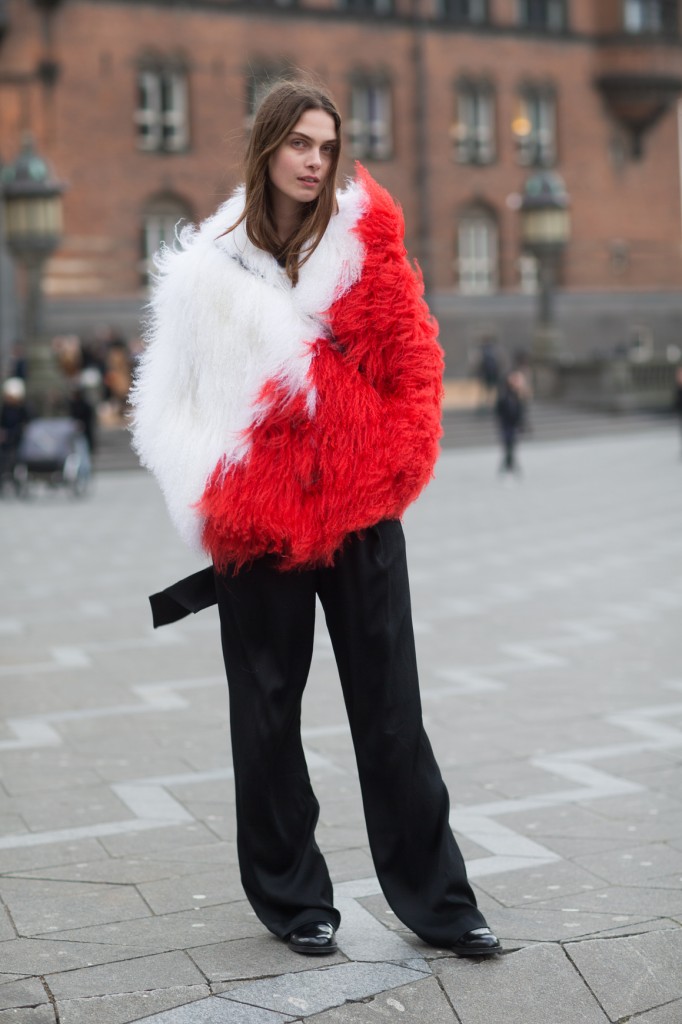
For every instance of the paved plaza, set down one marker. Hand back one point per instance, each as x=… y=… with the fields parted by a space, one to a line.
x=548 y=617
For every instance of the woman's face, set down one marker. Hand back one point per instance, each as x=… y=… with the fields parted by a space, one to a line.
x=299 y=167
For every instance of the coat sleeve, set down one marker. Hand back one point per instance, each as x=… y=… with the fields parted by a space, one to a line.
x=389 y=339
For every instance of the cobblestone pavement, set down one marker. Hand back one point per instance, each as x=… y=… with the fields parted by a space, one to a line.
x=548 y=615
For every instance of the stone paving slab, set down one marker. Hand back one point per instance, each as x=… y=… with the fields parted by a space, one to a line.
x=670 y=1014
x=634 y=973
x=418 y=1003
x=234 y=961
x=39 y=906
x=309 y=992
x=183 y=930
x=23 y=992
x=547 y=622
x=128 y=1006
x=47 y=956
x=533 y=986
x=218 y=1011
x=43 y=1014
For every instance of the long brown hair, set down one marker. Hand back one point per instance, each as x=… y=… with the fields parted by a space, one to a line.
x=275 y=118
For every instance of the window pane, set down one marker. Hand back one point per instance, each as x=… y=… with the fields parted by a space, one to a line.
x=473 y=11
x=368 y=6
x=534 y=128
x=174 y=101
x=148 y=113
x=648 y=15
x=159 y=226
x=370 y=123
x=477 y=243
x=545 y=14
x=474 y=131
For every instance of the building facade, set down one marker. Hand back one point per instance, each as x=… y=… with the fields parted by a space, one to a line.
x=143 y=107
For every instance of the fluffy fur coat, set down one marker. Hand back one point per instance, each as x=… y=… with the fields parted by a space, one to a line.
x=276 y=419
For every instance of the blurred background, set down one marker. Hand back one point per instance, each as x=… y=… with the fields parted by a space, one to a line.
x=535 y=146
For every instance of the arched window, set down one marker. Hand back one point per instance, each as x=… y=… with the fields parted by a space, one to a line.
x=162 y=113
x=160 y=219
x=477 y=251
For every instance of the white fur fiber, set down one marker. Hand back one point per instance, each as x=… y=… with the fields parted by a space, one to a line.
x=224 y=320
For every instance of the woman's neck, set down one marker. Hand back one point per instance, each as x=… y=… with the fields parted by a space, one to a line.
x=286 y=216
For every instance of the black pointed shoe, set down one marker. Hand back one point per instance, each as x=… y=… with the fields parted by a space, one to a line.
x=478 y=942
x=313 y=939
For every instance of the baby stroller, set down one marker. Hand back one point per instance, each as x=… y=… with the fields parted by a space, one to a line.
x=54 y=451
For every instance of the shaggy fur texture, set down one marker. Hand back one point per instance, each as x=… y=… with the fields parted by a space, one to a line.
x=280 y=420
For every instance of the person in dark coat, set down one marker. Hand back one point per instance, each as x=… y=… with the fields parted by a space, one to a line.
x=510 y=410
x=677 y=394
x=13 y=418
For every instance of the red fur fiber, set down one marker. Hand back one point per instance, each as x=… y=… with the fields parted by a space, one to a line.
x=372 y=443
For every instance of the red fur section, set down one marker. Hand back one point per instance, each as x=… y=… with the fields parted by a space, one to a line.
x=373 y=441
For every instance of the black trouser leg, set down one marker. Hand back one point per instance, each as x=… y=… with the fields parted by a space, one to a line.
x=419 y=865
x=267 y=620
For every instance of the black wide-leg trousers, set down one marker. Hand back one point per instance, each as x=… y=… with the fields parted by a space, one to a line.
x=267 y=622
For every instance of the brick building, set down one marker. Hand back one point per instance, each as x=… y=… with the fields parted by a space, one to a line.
x=142 y=107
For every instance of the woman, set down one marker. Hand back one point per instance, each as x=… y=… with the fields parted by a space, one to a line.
x=288 y=402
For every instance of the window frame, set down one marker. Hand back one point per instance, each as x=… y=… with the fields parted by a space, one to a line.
x=537 y=15
x=478 y=273
x=454 y=10
x=161 y=214
x=162 y=117
x=539 y=102
x=472 y=133
x=382 y=7
x=260 y=77
x=666 y=17
x=370 y=136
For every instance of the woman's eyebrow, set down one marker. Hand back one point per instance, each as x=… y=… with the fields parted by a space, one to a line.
x=309 y=138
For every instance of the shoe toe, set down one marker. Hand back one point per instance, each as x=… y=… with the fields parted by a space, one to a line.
x=315 y=938
x=477 y=942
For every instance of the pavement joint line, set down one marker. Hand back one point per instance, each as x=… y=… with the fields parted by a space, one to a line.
x=36 y=731
x=509 y=850
x=111 y=828
x=78 y=657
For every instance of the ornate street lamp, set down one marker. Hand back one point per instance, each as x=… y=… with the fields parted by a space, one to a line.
x=545 y=231
x=32 y=229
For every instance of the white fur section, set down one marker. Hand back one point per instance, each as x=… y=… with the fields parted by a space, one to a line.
x=224 y=321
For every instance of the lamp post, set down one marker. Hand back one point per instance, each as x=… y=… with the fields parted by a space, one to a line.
x=545 y=231
x=32 y=229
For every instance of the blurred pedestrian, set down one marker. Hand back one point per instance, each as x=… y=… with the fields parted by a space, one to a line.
x=289 y=403
x=677 y=394
x=117 y=377
x=510 y=410
x=488 y=371
x=14 y=416
x=82 y=411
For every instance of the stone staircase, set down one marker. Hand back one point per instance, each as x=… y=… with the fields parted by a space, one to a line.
x=462 y=428
x=548 y=421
